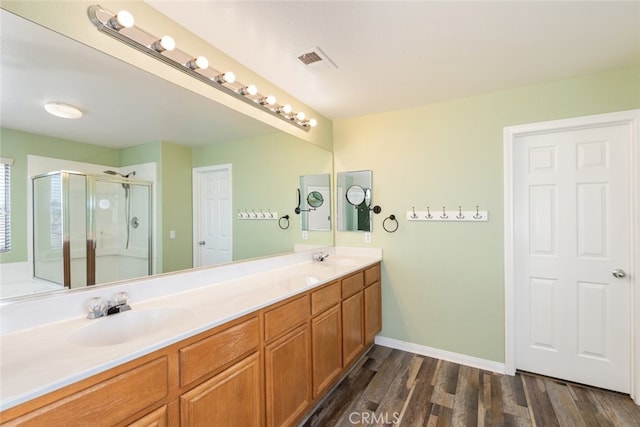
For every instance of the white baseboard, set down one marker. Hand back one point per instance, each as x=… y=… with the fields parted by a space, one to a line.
x=474 y=362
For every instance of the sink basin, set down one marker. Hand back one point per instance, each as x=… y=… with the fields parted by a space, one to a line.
x=128 y=326
x=339 y=262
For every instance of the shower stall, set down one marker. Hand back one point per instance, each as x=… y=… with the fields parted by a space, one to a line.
x=91 y=229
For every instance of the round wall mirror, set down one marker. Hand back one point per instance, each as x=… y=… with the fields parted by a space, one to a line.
x=355 y=195
x=315 y=199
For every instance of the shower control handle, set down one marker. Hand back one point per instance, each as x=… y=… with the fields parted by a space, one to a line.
x=201 y=242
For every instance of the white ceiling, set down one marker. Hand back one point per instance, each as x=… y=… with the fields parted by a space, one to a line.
x=389 y=56
x=396 y=54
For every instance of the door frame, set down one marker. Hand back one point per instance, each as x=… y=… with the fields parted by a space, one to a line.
x=197 y=185
x=631 y=118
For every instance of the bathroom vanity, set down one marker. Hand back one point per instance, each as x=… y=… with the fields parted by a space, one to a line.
x=258 y=350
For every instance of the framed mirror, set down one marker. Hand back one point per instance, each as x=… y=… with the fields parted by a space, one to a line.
x=354 y=200
x=314 y=202
x=146 y=134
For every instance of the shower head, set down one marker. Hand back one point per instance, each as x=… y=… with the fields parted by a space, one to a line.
x=110 y=172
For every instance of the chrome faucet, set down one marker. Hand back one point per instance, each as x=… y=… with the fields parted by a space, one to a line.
x=98 y=308
x=319 y=256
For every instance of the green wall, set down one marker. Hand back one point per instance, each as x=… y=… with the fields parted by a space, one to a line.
x=17 y=145
x=443 y=282
x=265 y=175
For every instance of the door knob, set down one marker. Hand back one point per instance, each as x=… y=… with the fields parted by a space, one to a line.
x=619 y=273
x=201 y=242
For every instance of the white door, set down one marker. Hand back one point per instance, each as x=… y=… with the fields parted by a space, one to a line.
x=572 y=230
x=212 y=215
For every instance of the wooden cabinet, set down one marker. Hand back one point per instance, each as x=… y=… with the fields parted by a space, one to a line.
x=267 y=367
x=325 y=297
x=108 y=402
x=212 y=353
x=372 y=303
x=231 y=398
x=352 y=328
x=288 y=377
x=372 y=312
x=157 y=418
x=326 y=344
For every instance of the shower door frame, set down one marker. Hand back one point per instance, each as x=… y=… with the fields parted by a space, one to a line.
x=90 y=235
x=91 y=222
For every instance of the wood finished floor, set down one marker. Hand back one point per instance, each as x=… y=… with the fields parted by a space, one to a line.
x=393 y=387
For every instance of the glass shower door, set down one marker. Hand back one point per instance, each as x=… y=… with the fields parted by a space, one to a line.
x=59 y=228
x=122 y=230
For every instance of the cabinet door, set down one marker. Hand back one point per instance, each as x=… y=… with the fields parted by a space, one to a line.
x=372 y=311
x=157 y=418
x=326 y=345
x=231 y=398
x=352 y=328
x=288 y=377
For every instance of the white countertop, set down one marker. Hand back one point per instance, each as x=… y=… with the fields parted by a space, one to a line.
x=36 y=359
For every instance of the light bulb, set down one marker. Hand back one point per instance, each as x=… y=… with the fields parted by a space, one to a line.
x=228 y=77
x=165 y=43
x=198 y=63
x=286 y=109
x=313 y=123
x=269 y=100
x=122 y=19
x=300 y=116
x=249 y=90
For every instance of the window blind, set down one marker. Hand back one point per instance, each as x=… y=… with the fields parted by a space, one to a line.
x=5 y=204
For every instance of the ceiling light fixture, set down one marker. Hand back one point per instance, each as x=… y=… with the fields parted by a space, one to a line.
x=228 y=77
x=66 y=111
x=165 y=43
x=250 y=90
x=199 y=63
x=164 y=49
x=285 y=109
x=268 y=100
x=122 y=19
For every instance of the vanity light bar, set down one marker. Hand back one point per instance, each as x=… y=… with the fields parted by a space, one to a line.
x=121 y=27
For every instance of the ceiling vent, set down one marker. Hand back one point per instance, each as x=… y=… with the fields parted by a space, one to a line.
x=315 y=57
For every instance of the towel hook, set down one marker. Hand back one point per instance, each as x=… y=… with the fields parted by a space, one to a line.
x=428 y=215
x=444 y=213
x=414 y=216
x=477 y=215
x=460 y=216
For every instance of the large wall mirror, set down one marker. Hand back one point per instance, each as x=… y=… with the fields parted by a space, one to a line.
x=314 y=202
x=134 y=120
x=354 y=198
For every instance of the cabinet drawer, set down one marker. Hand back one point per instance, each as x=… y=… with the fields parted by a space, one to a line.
x=325 y=298
x=157 y=418
x=212 y=353
x=352 y=284
x=108 y=402
x=285 y=317
x=372 y=275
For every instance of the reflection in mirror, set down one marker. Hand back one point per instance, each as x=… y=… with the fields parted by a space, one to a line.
x=122 y=136
x=355 y=195
x=315 y=199
x=354 y=200
x=315 y=207
x=90 y=229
